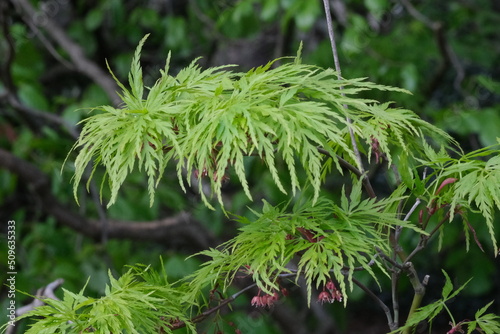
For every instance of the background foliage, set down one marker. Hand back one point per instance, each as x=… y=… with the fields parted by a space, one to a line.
x=448 y=57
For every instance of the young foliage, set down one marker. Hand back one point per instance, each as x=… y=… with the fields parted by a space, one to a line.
x=329 y=240
x=119 y=138
x=209 y=120
x=429 y=312
x=483 y=323
x=475 y=177
x=140 y=301
x=291 y=116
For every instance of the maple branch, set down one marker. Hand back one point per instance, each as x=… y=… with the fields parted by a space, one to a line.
x=373 y=296
x=364 y=178
x=331 y=34
x=180 y=229
x=447 y=53
x=75 y=51
x=202 y=316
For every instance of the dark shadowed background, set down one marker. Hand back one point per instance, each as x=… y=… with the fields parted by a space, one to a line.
x=53 y=69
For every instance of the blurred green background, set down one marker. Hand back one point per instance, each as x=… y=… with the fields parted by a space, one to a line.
x=445 y=52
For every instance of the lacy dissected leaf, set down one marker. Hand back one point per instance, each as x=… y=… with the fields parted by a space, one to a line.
x=390 y=131
x=208 y=121
x=136 y=134
x=486 y=323
x=475 y=186
x=329 y=240
x=59 y=316
x=140 y=301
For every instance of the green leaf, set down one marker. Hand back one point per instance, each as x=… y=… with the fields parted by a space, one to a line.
x=330 y=241
x=429 y=312
x=211 y=120
x=476 y=188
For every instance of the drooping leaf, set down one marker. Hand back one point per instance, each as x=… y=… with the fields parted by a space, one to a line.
x=210 y=120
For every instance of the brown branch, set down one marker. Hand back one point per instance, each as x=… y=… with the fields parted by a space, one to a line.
x=39 y=117
x=202 y=316
x=8 y=57
x=424 y=239
x=34 y=118
x=205 y=314
x=447 y=53
x=75 y=51
x=178 y=230
x=373 y=296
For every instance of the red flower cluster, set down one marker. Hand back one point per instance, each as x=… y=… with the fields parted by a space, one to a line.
x=329 y=294
x=266 y=300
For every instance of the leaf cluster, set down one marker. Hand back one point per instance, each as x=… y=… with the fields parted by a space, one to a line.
x=477 y=176
x=209 y=120
x=319 y=242
x=140 y=301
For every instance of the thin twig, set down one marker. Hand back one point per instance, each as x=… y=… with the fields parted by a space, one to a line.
x=366 y=182
x=424 y=239
x=413 y=208
x=398 y=229
x=419 y=16
x=331 y=34
x=445 y=48
x=40 y=117
x=48 y=45
x=384 y=307
x=388 y=259
x=202 y=316
x=75 y=51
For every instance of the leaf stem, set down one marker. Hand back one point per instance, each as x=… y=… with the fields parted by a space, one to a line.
x=384 y=307
x=364 y=179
